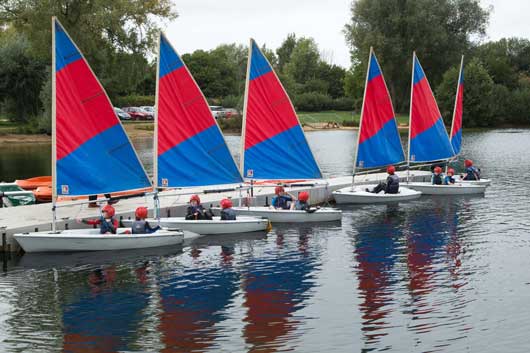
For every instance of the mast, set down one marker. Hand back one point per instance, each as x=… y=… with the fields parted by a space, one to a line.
x=361 y=118
x=54 y=131
x=410 y=112
x=245 y=106
x=155 y=131
x=456 y=98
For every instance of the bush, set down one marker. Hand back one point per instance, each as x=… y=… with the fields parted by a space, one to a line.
x=133 y=101
x=312 y=102
x=233 y=101
x=231 y=125
x=343 y=104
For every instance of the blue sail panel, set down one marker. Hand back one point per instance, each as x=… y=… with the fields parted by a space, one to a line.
x=383 y=148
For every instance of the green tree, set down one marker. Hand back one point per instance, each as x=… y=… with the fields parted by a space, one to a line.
x=439 y=30
x=285 y=51
x=304 y=62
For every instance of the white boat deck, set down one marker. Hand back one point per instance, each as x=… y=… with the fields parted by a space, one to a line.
x=38 y=217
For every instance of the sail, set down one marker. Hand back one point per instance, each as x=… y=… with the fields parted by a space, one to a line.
x=274 y=144
x=191 y=149
x=428 y=139
x=379 y=143
x=456 y=127
x=93 y=155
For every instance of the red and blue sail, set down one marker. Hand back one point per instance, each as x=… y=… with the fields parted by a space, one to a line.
x=274 y=144
x=379 y=143
x=456 y=128
x=191 y=148
x=93 y=153
x=428 y=137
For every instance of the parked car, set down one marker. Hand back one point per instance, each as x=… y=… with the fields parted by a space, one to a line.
x=137 y=113
x=149 y=109
x=231 y=113
x=121 y=114
x=217 y=111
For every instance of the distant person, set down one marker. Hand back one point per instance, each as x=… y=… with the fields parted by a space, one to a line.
x=302 y=203
x=437 y=177
x=472 y=172
x=195 y=210
x=140 y=224
x=227 y=212
x=107 y=223
x=449 y=178
x=282 y=200
x=391 y=186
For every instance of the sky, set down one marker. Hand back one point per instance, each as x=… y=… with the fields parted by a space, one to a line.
x=204 y=24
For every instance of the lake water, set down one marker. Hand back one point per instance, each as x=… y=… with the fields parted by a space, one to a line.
x=448 y=274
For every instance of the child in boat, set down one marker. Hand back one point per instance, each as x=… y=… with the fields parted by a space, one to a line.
x=195 y=210
x=391 y=186
x=302 y=203
x=449 y=178
x=107 y=223
x=227 y=212
x=437 y=177
x=140 y=225
x=283 y=200
x=472 y=172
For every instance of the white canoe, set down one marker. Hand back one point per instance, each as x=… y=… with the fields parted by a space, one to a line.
x=214 y=226
x=359 y=195
x=323 y=214
x=454 y=189
x=92 y=240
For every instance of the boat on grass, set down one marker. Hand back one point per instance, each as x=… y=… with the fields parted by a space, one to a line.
x=13 y=195
x=378 y=143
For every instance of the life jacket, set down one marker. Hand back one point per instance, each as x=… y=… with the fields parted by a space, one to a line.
x=139 y=227
x=449 y=180
x=282 y=202
x=437 y=179
x=472 y=173
x=109 y=227
x=301 y=205
x=228 y=214
x=392 y=184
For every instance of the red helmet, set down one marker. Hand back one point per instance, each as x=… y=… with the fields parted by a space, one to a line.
x=141 y=212
x=109 y=209
x=226 y=203
x=278 y=189
x=196 y=198
x=437 y=170
x=390 y=169
x=468 y=163
x=303 y=196
x=450 y=171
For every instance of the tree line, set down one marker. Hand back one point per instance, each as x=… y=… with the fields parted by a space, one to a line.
x=119 y=39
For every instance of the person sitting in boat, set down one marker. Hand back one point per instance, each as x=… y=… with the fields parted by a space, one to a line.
x=391 y=186
x=196 y=211
x=107 y=223
x=437 y=176
x=302 y=203
x=283 y=200
x=140 y=225
x=227 y=212
x=472 y=172
x=449 y=178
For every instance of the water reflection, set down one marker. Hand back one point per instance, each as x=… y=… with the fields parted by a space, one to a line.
x=276 y=286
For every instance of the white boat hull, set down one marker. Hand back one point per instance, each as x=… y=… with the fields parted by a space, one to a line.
x=324 y=214
x=359 y=195
x=92 y=240
x=485 y=182
x=455 y=189
x=210 y=227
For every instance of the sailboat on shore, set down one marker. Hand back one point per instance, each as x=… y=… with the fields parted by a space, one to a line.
x=378 y=143
x=91 y=154
x=189 y=148
x=428 y=138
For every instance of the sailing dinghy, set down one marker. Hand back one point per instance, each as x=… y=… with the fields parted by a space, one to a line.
x=428 y=139
x=274 y=146
x=91 y=154
x=378 y=142
x=190 y=149
x=456 y=125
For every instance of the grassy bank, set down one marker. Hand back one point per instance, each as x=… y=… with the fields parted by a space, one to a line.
x=340 y=117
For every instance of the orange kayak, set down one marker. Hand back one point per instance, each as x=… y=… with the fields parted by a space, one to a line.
x=34 y=183
x=43 y=193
